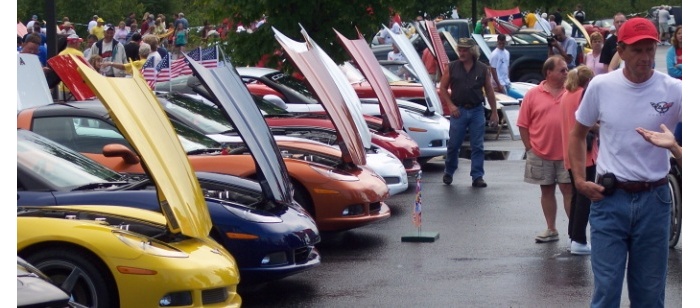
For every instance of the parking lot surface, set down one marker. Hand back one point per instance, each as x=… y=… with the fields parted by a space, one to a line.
x=486 y=255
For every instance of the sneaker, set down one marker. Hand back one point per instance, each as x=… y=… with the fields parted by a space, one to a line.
x=447 y=179
x=580 y=249
x=479 y=183
x=547 y=236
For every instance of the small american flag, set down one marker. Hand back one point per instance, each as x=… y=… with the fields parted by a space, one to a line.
x=149 y=72
x=208 y=57
x=417 y=209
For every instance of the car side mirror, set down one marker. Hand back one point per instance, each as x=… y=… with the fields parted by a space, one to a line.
x=120 y=150
x=278 y=101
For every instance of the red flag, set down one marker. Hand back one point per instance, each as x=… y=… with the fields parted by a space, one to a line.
x=513 y=16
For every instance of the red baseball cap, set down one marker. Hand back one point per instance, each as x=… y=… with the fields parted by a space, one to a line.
x=637 y=29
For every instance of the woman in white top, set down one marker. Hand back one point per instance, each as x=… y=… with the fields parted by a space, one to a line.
x=121 y=32
x=592 y=58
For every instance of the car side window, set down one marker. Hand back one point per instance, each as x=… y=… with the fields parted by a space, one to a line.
x=86 y=135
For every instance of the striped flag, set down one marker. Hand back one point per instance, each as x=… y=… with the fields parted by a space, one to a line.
x=149 y=72
x=418 y=208
x=210 y=57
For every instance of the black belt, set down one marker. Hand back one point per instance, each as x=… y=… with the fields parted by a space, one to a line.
x=635 y=187
x=470 y=105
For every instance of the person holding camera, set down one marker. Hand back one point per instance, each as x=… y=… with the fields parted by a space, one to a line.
x=631 y=198
x=560 y=44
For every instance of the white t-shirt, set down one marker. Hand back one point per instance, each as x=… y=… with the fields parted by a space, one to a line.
x=91 y=25
x=385 y=34
x=621 y=106
x=395 y=56
x=500 y=60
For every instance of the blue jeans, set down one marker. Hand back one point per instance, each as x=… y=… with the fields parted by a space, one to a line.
x=630 y=230
x=473 y=120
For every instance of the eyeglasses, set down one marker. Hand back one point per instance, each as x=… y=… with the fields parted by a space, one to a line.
x=564 y=70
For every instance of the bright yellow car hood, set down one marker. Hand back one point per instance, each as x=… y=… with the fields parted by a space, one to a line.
x=138 y=115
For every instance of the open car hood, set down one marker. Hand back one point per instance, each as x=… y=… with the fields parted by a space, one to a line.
x=232 y=96
x=33 y=90
x=370 y=67
x=67 y=70
x=309 y=62
x=436 y=42
x=431 y=96
x=138 y=115
x=581 y=29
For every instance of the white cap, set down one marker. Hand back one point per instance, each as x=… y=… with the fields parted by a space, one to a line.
x=544 y=15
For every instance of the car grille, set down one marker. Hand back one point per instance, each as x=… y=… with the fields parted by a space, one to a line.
x=301 y=255
x=392 y=180
x=214 y=296
x=374 y=207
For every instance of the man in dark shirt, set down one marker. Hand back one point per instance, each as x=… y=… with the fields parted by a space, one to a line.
x=462 y=89
x=610 y=46
x=557 y=16
x=132 y=47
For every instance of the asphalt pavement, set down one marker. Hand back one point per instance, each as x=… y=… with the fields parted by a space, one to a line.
x=485 y=256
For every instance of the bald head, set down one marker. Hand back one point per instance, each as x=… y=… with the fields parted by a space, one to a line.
x=559 y=33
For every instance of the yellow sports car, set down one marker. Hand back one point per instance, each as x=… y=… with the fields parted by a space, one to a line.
x=108 y=256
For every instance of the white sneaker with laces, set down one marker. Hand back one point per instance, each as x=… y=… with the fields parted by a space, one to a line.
x=580 y=249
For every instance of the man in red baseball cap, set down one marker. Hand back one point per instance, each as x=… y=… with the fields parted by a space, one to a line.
x=631 y=199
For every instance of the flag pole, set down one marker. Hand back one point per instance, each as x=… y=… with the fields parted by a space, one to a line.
x=417 y=217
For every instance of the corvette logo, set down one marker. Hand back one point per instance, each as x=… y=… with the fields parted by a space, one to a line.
x=662 y=107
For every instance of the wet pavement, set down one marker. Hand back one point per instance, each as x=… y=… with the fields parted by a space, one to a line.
x=486 y=255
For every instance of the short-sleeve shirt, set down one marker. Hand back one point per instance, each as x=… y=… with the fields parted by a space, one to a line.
x=621 y=106
x=540 y=113
x=609 y=50
x=571 y=48
x=500 y=60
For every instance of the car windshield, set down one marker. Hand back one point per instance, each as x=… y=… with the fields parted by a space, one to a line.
x=192 y=140
x=269 y=108
x=196 y=112
x=292 y=83
x=62 y=167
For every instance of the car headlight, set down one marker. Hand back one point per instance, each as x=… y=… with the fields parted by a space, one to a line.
x=182 y=298
x=335 y=174
x=148 y=245
x=420 y=117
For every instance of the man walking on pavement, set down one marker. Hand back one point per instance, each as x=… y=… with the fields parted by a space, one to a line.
x=468 y=79
x=631 y=198
x=539 y=122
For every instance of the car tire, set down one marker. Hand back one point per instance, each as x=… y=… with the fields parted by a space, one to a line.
x=676 y=210
x=302 y=196
x=88 y=282
x=531 y=77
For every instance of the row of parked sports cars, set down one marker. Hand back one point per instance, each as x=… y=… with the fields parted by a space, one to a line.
x=174 y=198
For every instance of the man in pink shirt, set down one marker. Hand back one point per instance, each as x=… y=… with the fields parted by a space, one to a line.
x=539 y=122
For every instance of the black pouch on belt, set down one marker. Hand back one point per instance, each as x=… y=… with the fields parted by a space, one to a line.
x=609 y=182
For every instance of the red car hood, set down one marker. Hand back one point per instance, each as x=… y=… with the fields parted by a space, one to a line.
x=321 y=81
x=370 y=67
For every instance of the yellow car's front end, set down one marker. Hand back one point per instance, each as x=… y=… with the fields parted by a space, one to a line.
x=110 y=256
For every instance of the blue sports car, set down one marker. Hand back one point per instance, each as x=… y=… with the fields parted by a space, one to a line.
x=269 y=240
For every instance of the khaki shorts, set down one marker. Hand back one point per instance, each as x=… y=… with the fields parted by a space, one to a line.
x=545 y=172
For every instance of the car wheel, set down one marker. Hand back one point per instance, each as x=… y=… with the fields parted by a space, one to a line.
x=302 y=196
x=531 y=78
x=88 y=283
x=676 y=210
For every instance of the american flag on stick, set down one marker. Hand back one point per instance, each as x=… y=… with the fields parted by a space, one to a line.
x=149 y=72
x=417 y=209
